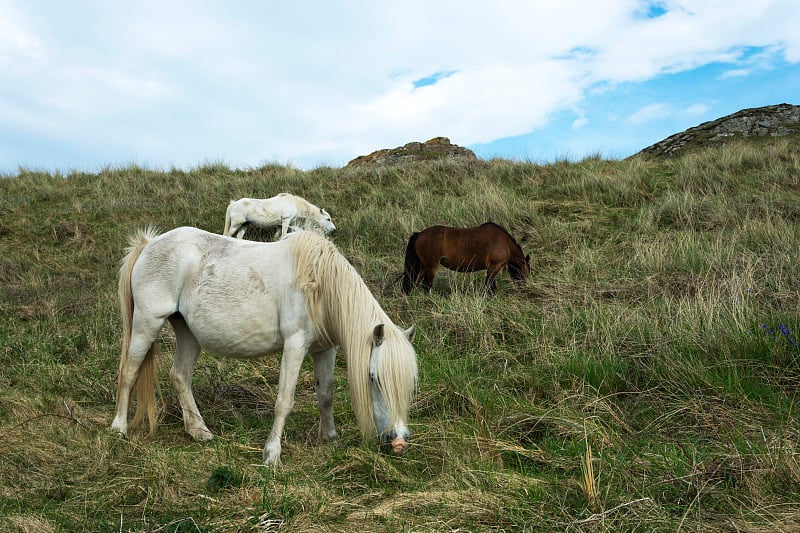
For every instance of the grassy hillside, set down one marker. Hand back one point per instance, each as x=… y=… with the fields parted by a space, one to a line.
x=645 y=379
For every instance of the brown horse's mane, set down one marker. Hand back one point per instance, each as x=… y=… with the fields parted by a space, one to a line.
x=498 y=226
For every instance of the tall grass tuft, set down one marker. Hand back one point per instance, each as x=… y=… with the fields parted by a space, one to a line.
x=588 y=481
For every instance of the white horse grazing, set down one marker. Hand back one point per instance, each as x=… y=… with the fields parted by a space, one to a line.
x=247 y=299
x=280 y=210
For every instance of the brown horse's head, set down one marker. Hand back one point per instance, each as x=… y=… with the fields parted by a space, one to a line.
x=519 y=268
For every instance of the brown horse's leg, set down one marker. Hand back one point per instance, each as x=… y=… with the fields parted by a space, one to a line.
x=427 y=278
x=491 y=274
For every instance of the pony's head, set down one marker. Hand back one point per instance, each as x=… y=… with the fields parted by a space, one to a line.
x=392 y=380
x=325 y=221
x=519 y=268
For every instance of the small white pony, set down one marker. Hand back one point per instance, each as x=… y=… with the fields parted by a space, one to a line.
x=248 y=299
x=280 y=210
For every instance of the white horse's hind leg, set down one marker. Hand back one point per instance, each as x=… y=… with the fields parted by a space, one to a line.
x=323 y=371
x=186 y=352
x=291 y=360
x=285 y=226
x=144 y=332
x=238 y=222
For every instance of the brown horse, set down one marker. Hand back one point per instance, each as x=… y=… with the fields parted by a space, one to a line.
x=486 y=247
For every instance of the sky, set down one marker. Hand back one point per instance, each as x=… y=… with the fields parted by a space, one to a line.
x=87 y=85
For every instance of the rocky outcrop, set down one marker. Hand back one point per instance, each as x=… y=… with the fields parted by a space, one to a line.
x=433 y=149
x=773 y=121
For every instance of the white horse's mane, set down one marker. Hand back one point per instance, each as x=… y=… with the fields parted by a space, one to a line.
x=346 y=312
x=305 y=208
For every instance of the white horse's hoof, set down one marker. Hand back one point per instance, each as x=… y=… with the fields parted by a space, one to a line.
x=272 y=456
x=200 y=434
x=272 y=461
x=118 y=427
x=327 y=437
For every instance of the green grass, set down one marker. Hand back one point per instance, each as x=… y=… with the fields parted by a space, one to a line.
x=647 y=342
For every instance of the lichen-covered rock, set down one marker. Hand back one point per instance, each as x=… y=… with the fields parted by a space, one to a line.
x=773 y=121
x=433 y=149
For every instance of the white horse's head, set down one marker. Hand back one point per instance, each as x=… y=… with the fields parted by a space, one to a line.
x=381 y=361
x=391 y=386
x=325 y=221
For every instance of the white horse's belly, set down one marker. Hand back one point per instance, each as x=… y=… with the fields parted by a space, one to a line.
x=244 y=313
x=240 y=331
x=242 y=347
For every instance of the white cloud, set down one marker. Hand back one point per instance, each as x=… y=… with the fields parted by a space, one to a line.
x=314 y=82
x=735 y=73
x=650 y=113
x=696 y=109
x=476 y=105
x=578 y=123
x=18 y=46
x=660 y=111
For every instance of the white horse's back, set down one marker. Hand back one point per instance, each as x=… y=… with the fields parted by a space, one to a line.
x=243 y=278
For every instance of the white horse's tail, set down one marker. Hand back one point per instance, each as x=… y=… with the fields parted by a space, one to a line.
x=145 y=381
x=227 y=230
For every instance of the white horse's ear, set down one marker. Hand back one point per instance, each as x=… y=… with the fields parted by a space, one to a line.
x=377 y=335
x=410 y=332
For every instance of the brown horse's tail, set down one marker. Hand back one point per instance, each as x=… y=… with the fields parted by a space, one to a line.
x=411 y=267
x=145 y=380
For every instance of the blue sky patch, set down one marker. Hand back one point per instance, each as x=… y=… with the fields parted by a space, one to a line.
x=433 y=79
x=579 y=52
x=652 y=10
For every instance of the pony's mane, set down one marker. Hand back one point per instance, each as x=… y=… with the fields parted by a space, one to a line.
x=346 y=312
x=498 y=226
x=304 y=208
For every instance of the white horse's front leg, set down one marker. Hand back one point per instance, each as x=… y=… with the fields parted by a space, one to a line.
x=291 y=360
x=323 y=371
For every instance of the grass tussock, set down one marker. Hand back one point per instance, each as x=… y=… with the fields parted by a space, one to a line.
x=646 y=378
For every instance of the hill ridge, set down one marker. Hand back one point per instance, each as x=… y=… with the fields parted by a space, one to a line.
x=773 y=120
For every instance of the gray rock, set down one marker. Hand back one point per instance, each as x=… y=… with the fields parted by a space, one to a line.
x=773 y=121
x=433 y=149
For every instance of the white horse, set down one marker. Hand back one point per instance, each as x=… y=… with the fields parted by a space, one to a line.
x=280 y=210
x=247 y=299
